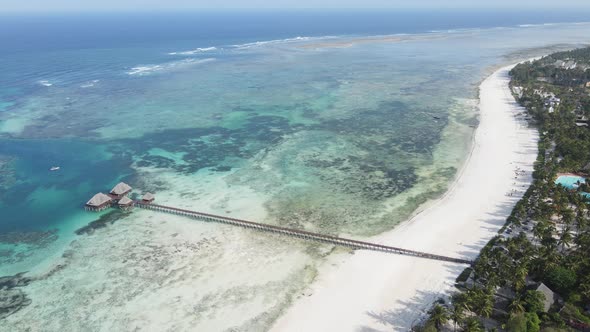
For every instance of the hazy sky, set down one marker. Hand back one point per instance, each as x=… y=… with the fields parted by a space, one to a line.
x=116 y=5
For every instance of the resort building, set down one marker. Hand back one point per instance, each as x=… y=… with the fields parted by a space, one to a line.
x=147 y=198
x=550 y=296
x=566 y=64
x=98 y=202
x=120 y=190
x=117 y=197
x=125 y=203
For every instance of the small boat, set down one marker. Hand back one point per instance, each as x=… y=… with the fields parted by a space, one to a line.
x=54 y=168
x=436 y=117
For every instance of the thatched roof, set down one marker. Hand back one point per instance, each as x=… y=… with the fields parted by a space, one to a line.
x=148 y=197
x=549 y=296
x=98 y=200
x=125 y=201
x=121 y=188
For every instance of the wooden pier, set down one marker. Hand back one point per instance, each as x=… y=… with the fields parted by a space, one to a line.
x=354 y=244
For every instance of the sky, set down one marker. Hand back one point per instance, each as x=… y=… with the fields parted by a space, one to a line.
x=171 y=5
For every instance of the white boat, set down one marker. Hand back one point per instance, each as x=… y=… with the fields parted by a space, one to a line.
x=54 y=168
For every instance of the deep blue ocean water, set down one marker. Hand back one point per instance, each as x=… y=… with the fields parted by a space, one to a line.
x=57 y=71
x=35 y=44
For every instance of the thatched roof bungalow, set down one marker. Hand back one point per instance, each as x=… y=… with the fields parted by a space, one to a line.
x=148 y=198
x=125 y=203
x=99 y=202
x=121 y=189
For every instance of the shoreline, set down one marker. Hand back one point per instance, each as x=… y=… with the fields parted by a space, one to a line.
x=364 y=293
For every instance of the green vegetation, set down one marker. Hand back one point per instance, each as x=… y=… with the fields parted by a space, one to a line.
x=547 y=237
x=438 y=316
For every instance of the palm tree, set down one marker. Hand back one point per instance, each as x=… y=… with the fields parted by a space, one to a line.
x=487 y=305
x=461 y=300
x=549 y=257
x=457 y=315
x=473 y=325
x=539 y=230
x=438 y=316
x=516 y=306
x=585 y=288
x=566 y=237
x=567 y=216
x=519 y=277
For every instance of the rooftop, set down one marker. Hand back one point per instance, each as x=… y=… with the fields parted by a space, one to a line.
x=125 y=201
x=147 y=197
x=549 y=296
x=98 y=200
x=121 y=188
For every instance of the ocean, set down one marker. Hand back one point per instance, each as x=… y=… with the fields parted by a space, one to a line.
x=336 y=122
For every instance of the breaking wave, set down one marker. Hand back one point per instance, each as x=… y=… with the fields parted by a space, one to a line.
x=89 y=84
x=175 y=65
x=280 y=41
x=551 y=24
x=195 y=51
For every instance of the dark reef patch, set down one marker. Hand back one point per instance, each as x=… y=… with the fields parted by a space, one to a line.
x=102 y=222
x=7 y=175
x=22 y=244
x=394 y=136
x=210 y=147
x=32 y=238
x=11 y=298
x=392 y=126
x=17 y=280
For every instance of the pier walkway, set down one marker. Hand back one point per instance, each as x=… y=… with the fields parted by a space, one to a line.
x=354 y=244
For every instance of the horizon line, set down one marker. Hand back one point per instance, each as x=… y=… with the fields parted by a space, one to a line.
x=291 y=9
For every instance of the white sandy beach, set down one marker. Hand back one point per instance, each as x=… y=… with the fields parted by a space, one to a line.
x=373 y=291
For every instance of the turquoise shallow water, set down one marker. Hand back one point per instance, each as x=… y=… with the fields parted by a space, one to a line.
x=344 y=138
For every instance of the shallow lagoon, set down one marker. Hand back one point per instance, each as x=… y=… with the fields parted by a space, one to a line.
x=338 y=139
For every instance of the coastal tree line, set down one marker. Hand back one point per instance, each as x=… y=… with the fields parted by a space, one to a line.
x=546 y=238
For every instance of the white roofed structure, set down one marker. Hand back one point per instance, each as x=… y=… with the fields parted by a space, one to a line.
x=125 y=201
x=98 y=200
x=549 y=296
x=121 y=189
x=148 y=197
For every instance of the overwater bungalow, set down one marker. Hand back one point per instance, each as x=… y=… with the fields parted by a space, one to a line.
x=98 y=202
x=120 y=190
x=125 y=203
x=147 y=198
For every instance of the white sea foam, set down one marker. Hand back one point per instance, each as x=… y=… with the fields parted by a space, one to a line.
x=45 y=83
x=89 y=84
x=280 y=41
x=551 y=24
x=195 y=51
x=175 y=65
